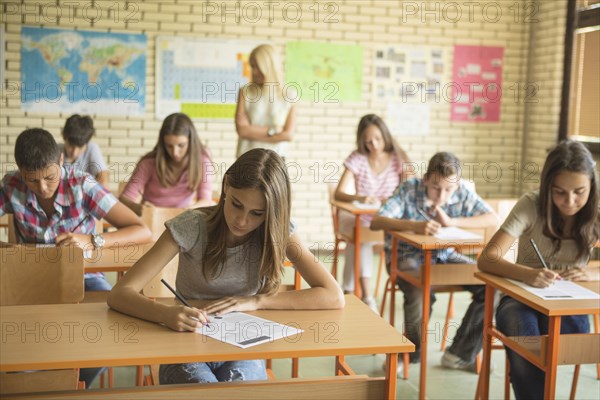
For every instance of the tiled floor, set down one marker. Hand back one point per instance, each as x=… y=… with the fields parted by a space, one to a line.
x=442 y=383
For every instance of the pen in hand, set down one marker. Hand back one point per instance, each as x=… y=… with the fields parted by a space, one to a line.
x=537 y=251
x=424 y=214
x=179 y=297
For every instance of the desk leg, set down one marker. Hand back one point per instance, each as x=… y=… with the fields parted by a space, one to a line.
x=357 y=288
x=390 y=376
x=552 y=357
x=426 y=287
x=393 y=278
x=483 y=386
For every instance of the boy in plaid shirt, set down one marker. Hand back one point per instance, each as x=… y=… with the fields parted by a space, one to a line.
x=52 y=204
x=447 y=202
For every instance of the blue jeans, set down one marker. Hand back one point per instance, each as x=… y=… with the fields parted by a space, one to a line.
x=96 y=282
x=469 y=336
x=93 y=282
x=224 y=371
x=516 y=319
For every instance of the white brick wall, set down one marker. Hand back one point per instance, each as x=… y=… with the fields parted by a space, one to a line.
x=362 y=22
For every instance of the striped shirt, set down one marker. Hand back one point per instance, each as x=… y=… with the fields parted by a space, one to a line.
x=78 y=198
x=368 y=183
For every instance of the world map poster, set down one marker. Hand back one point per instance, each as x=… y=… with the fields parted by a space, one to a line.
x=83 y=72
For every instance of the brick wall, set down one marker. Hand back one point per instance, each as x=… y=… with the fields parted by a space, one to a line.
x=325 y=132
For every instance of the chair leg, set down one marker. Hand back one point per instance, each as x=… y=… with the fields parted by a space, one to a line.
x=381 y=262
x=336 y=254
x=385 y=293
x=139 y=375
x=574 y=383
x=506 y=380
x=449 y=315
x=406 y=363
x=295 y=367
x=111 y=377
x=597 y=330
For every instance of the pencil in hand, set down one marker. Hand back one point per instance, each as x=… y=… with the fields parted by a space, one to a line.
x=179 y=297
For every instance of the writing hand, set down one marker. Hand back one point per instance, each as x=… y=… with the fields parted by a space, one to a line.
x=182 y=318
x=541 y=277
x=428 y=227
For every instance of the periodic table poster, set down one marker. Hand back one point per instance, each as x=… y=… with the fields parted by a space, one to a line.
x=200 y=77
x=477 y=79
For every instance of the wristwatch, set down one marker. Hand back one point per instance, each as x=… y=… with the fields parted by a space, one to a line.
x=272 y=131
x=98 y=241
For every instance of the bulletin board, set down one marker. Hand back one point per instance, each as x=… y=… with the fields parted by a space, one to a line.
x=200 y=77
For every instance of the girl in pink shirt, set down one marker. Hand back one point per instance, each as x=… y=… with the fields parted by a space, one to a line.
x=175 y=173
x=375 y=169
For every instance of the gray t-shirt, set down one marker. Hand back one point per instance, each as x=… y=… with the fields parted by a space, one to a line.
x=524 y=224
x=90 y=161
x=238 y=277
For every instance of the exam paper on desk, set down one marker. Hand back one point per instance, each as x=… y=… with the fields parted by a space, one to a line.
x=560 y=290
x=245 y=330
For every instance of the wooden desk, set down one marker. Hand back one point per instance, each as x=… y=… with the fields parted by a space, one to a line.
x=92 y=335
x=546 y=352
x=365 y=232
x=431 y=274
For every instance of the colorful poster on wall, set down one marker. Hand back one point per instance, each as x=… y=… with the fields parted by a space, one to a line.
x=200 y=77
x=477 y=84
x=325 y=72
x=85 y=72
x=407 y=73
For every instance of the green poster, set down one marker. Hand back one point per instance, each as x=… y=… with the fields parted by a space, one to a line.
x=325 y=72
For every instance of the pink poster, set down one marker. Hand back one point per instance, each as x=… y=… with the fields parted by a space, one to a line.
x=477 y=84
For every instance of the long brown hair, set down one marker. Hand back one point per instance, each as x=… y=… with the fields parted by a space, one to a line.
x=178 y=124
x=570 y=156
x=263 y=170
x=391 y=146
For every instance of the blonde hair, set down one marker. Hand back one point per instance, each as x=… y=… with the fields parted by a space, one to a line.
x=268 y=63
x=178 y=124
x=263 y=170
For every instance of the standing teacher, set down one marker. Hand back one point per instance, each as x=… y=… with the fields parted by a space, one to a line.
x=265 y=117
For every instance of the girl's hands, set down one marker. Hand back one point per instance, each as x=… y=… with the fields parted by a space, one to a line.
x=182 y=318
x=229 y=304
x=579 y=274
x=541 y=277
x=75 y=239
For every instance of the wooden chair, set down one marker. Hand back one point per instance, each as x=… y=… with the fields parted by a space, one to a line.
x=40 y=275
x=344 y=237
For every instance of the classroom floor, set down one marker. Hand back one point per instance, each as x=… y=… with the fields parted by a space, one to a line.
x=441 y=383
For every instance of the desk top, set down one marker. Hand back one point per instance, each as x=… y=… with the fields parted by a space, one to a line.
x=347 y=206
x=428 y=242
x=547 y=307
x=92 y=335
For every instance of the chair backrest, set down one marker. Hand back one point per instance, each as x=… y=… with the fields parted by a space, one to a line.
x=334 y=215
x=40 y=275
x=155 y=218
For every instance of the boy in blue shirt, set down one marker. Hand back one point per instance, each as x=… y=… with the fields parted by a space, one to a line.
x=447 y=201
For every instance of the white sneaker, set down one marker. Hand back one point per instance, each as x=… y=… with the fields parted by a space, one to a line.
x=372 y=303
x=452 y=361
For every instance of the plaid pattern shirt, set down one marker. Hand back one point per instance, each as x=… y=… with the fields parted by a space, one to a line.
x=79 y=197
x=408 y=197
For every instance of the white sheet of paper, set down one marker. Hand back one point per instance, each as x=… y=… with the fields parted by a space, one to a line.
x=366 y=206
x=453 y=233
x=560 y=290
x=244 y=330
